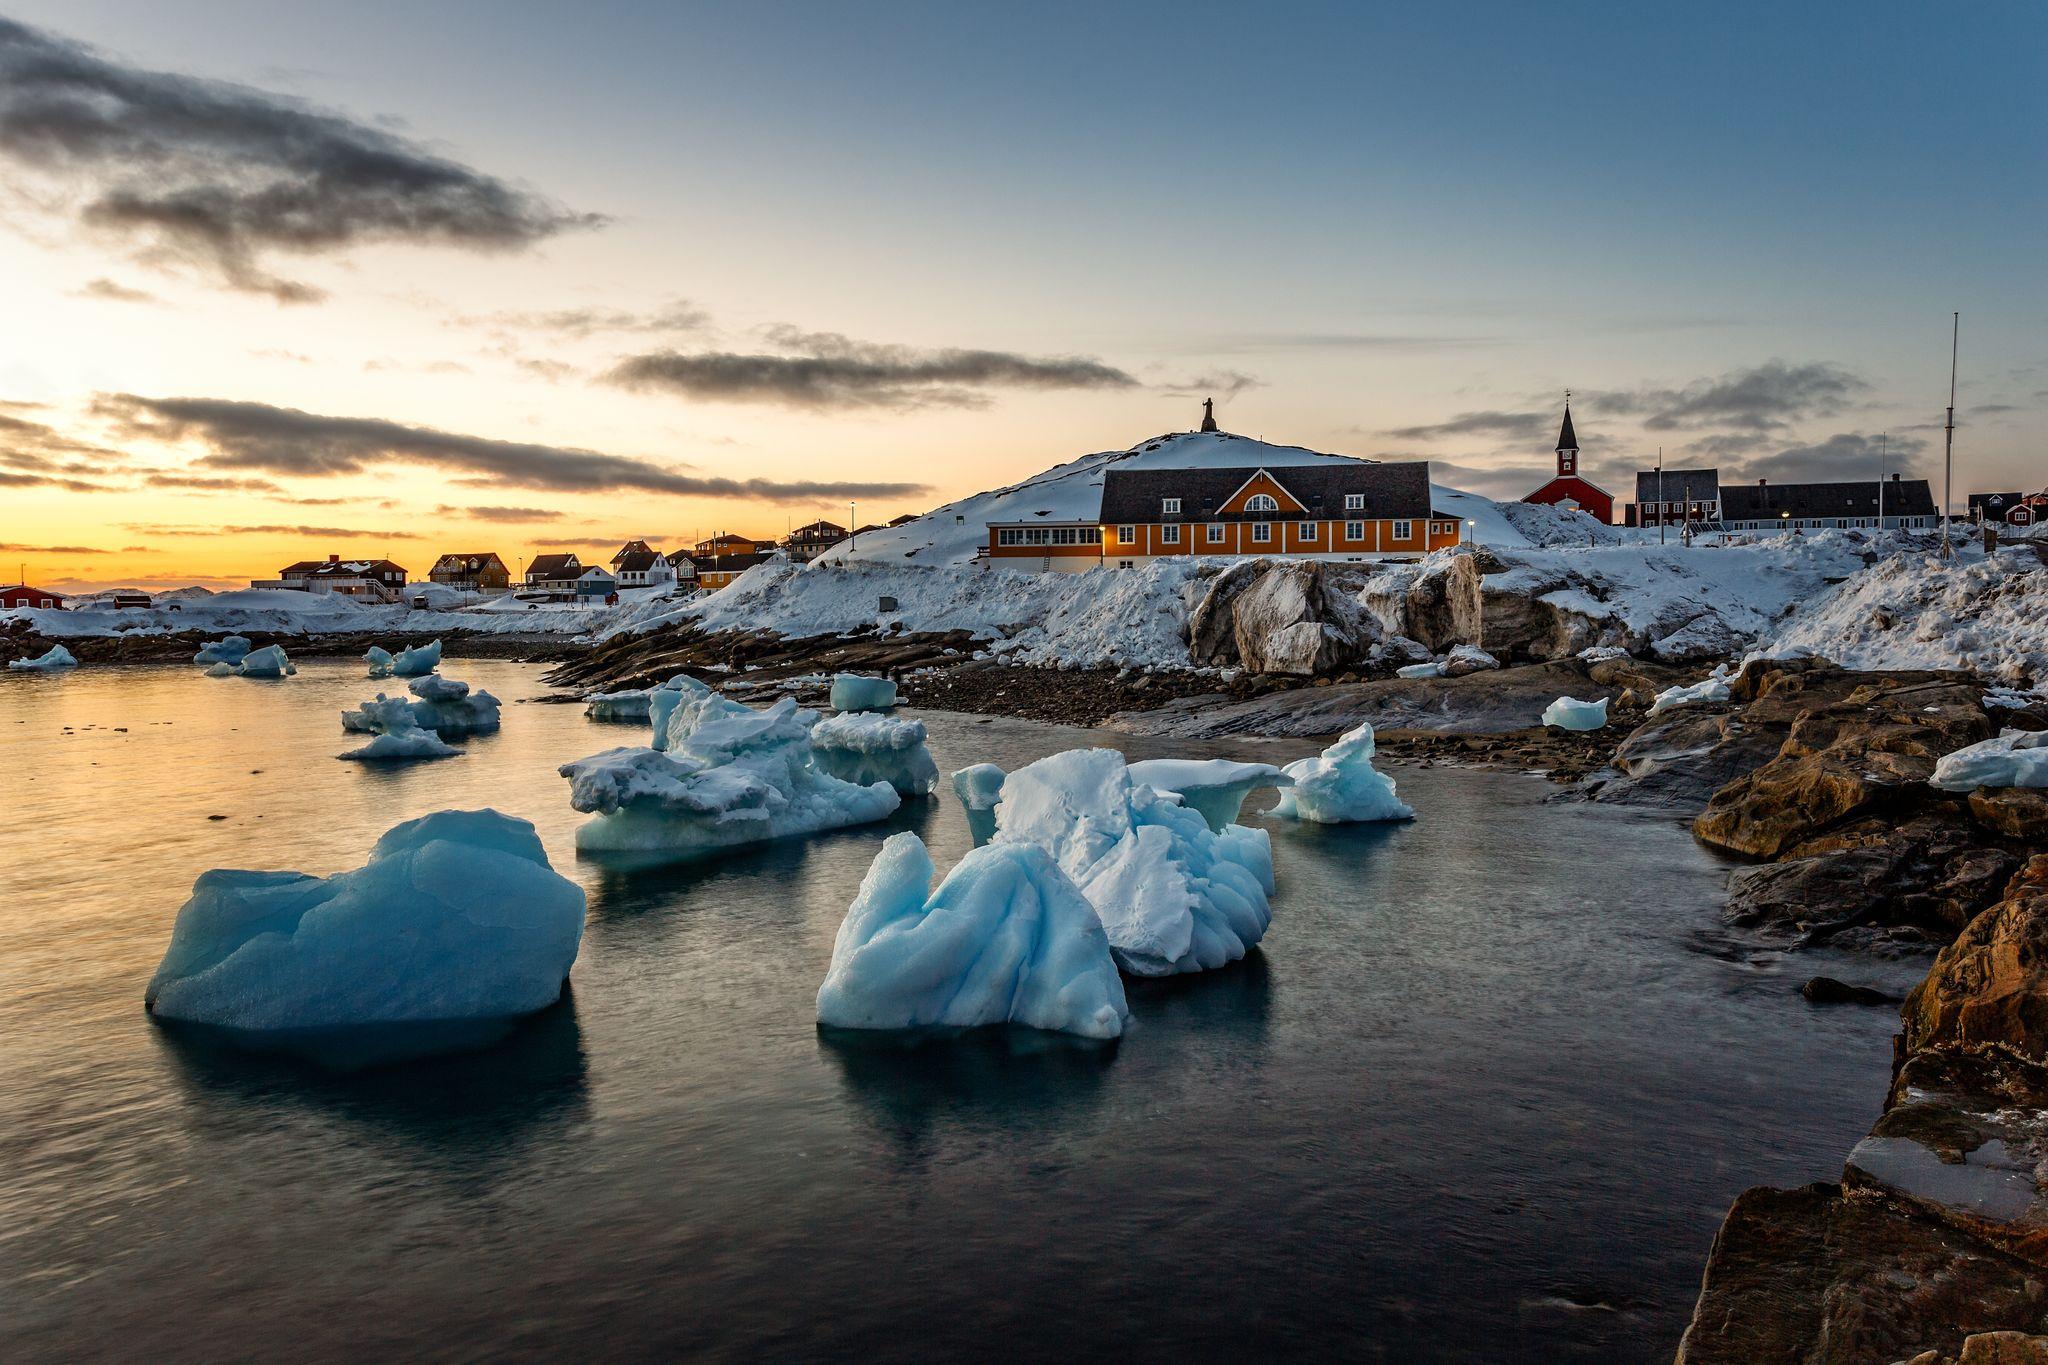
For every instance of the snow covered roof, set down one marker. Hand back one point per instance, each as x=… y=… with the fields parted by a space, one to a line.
x=1759 y=502
x=1678 y=485
x=1389 y=490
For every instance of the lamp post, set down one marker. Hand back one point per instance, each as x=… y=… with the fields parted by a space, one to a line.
x=1472 y=529
x=852 y=524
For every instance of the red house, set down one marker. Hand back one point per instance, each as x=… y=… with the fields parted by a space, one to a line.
x=21 y=595
x=1568 y=489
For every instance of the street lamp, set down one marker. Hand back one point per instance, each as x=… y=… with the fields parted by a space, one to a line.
x=1472 y=529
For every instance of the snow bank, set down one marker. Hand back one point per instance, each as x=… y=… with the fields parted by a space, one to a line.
x=52 y=659
x=1173 y=895
x=416 y=660
x=1713 y=687
x=863 y=747
x=979 y=786
x=1569 y=713
x=2016 y=758
x=231 y=650
x=851 y=692
x=1340 y=786
x=1214 y=787
x=730 y=775
x=1006 y=938
x=456 y=915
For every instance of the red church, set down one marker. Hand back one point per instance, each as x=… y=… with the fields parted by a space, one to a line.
x=1568 y=489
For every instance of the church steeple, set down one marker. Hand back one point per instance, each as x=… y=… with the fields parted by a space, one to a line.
x=1567 y=441
x=1208 y=414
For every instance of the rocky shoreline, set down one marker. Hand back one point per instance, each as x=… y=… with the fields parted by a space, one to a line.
x=18 y=641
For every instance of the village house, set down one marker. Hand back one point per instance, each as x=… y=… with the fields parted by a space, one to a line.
x=553 y=573
x=595 y=582
x=378 y=580
x=2008 y=509
x=1677 y=497
x=482 y=573
x=683 y=567
x=716 y=571
x=726 y=544
x=1568 y=488
x=1869 y=504
x=809 y=541
x=22 y=595
x=640 y=565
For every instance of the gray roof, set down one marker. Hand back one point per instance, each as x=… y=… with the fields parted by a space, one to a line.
x=1390 y=490
x=636 y=561
x=1790 y=501
x=1680 y=485
x=552 y=566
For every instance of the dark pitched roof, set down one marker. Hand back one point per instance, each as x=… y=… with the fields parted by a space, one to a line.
x=1764 y=502
x=730 y=563
x=633 y=547
x=678 y=557
x=1390 y=490
x=466 y=561
x=636 y=561
x=356 y=568
x=819 y=530
x=1680 y=485
x=553 y=566
x=1567 y=439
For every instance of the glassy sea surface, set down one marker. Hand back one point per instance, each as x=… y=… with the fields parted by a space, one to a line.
x=1483 y=1094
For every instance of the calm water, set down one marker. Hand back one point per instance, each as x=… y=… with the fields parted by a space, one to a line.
x=1484 y=1094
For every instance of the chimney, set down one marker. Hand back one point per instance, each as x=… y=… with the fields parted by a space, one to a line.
x=1895 y=478
x=334 y=559
x=1762 y=483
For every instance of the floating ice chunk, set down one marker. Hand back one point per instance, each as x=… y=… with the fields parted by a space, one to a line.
x=1713 y=687
x=223 y=670
x=1340 y=786
x=730 y=775
x=851 y=692
x=231 y=649
x=379 y=660
x=628 y=707
x=416 y=661
x=1216 y=787
x=1432 y=669
x=1173 y=895
x=665 y=700
x=403 y=746
x=456 y=916
x=2016 y=758
x=1007 y=938
x=54 y=658
x=448 y=706
x=862 y=747
x=1569 y=713
x=979 y=786
x=267 y=662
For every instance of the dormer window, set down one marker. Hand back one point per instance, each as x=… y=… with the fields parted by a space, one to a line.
x=1261 y=502
x=1354 y=502
x=1169 y=507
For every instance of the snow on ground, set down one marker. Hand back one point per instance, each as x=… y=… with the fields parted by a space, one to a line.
x=2015 y=758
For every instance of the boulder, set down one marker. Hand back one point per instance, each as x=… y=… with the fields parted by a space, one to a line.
x=1301 y=619
x=1990 y=987
x=1437 y=604
x=2018 y=813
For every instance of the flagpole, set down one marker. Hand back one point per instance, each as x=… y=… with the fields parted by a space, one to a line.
x=1948 y=457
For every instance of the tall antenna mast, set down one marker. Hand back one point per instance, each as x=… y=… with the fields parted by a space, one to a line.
x=1948 y=456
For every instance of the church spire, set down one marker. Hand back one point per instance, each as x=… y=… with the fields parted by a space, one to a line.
x=1567 y=439
x=1208 y=414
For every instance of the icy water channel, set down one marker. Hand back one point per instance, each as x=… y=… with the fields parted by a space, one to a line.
x=1484 y=1094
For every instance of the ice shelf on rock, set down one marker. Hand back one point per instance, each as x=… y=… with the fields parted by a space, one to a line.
x=1340 y=786
x=416 y=661
x=1007 y=938
x=455 y=916
x=2015 y=758
x=628 y=707
x=852 y=692
x=379 y=660
x=730 y=775
x=863 y=747
x=1569 y=713
x=231 y=649
x=1600 y=654
x=49 y=661
x=1432 y=669
x=979 y=786
x=1173 y=895
x=1713 y=687
x=267 y=662
x=1216 y=787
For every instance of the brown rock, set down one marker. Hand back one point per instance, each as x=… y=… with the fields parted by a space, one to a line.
x=2019 y=813
x=1990 y=987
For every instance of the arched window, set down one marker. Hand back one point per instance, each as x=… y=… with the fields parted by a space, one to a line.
x=1261 y=502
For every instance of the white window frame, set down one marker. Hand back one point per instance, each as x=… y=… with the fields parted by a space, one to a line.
x=1262 y=533
x=1403 y=529
x=1215 y=533
x=1127 y=535
x=1306 y=530
x=1262 y=502
x=1170 y=534
x=1169 y=507
x=1354 y=530
x=1354 y=502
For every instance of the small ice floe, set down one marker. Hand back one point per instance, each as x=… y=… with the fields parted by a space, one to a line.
x=399 y=737
x=863 y=747
x=1215 y=787
x=979 y=786
x=1173 y=895
x=1007 y=938
x=628 y=707
x=726 y=774
x=267 y=662
x=416 y=661
x=1340 y=786
x=1569 y=713
x=1433 y=669
x=448 y=706
x=456 y=918
x=2013 y=699
x=2016 y=758
x=50 y=661
x=231 y=649
x=379 y=660
x=852 y=692
x=1713 y=687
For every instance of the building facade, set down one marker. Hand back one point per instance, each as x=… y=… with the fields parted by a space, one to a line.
x=376 y=580
x=640 y=566
x=474 y=572
x=1676 y=497
x=716 y=571
x=807 y=542
x=22 y=595
x=1568 y=488
x=553 y=573
x=1867 y=505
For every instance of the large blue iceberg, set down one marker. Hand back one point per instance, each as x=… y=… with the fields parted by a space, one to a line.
x=1216 y=787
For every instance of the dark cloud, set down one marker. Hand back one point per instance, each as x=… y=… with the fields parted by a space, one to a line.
x=204 y=483
x=52 y=550
x=327 y=532
x=501 y=513
x=1766 y=397
x=1224 y=384
x=1519 y=427
x=1847 y=455
x=824 y=370
x=292 y=443
x=679 y=315
x=223 y=175
x=112 y=292
x=12 y=479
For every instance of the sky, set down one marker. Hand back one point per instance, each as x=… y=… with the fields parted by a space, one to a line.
x=399 y=279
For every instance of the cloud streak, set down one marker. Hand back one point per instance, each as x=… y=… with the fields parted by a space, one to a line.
x=222 y=176
x=1766 y=397
x=1515 y=426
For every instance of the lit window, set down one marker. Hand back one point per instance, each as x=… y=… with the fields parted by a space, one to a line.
x=1354 y=530
x=1262 y=531
x=1127 y=535
x=1215 y=534
x=1308 y=530
x=1261 y=502
x=1169 y=507
x=1170 y=534
x=1354 y=502
x=1403 y=529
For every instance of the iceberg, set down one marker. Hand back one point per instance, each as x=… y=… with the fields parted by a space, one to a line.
x=628 y=706
x=2015 y=758
x=1173 y=895
x=728 y=775
x=1569 y=713
x=1216 y=787
x=399 y=736
x=979 y=786
x=231 y=649
x=863 y=747
x=1007 y=938
x=455 y=916
x=267 y=662
x=449 y=707
x=851 y=692
x=54 y=658
x=1713 y=687
x=416 y=661
x=379 y=660
x=664 y=700
x=1340 y=786
x=223 y=670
